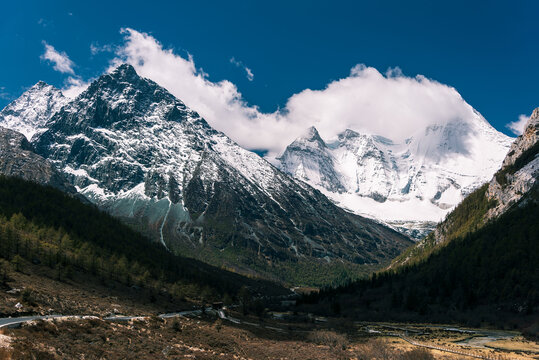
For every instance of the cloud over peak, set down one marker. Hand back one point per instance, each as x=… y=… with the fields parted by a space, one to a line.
x=390 y=104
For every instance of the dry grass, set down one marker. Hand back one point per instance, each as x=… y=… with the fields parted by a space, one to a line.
x=200 y=338
x=41 y=293
x=380 y=349
x=518 y=344
x=174 y=339
x=329 y=338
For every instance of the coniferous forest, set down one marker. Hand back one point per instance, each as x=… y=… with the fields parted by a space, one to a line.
x=487 y=276
x=43 y=225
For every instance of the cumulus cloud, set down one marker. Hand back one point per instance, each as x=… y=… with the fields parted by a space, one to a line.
x=248 y=72
x=220 y=103
x=518 y=126
x=368 y=101
x=60 y=61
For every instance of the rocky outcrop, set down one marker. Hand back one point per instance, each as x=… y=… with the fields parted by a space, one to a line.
x=519 y=172
x=309 y=159
x=18 y=159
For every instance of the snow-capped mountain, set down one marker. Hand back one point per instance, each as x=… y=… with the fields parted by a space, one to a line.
x=135 y=150
x=29 y=113
x=411 y=184
x=515 y=185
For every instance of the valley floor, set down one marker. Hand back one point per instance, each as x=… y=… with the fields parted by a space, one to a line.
x=209 y=337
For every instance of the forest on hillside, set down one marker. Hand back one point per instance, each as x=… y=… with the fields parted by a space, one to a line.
x=490 y=275
x=45 y=226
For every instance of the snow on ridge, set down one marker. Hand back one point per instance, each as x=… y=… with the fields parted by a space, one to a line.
x=420 y=179
x=29 y=113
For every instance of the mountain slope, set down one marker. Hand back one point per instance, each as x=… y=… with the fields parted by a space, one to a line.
x=486 y=276
x=46 y=226
x=410 y=184
x=141 y=154
x=517 y=176
x=479 y=265
x=17 y=158
x=29 y=113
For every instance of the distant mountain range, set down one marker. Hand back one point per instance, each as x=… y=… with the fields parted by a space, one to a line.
x=511 y=186
x=133 y=149
x=478 y=267
x=410 y=185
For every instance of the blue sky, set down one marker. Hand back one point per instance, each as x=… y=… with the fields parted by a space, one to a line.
x=487 y=50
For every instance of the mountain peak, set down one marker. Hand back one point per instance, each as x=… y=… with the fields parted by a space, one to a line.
x=348 y=134
x=134 y=149
x=311 y=134
x=125 y=72
x=309 y=137
x=40 y=85
x=29 y=113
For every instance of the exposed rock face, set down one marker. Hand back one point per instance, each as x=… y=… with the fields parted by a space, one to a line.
x=29 y=113
x=309 y=159
x=519 y=171
x=415 y=182
x=135 y=150
x=18 y=159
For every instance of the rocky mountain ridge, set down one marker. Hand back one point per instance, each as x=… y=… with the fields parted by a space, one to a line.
x=136 y=151
x=412 y=184
x=29 y=113
x=514 y=185
x=18 y=159
x=519 y=172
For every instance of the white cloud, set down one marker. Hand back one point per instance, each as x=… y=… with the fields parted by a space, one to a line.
x=219 y=103
x=95 y=48
x=248 y=72
x=74 y=85
x=517 y=127
x=60 y=60
x=368 y=101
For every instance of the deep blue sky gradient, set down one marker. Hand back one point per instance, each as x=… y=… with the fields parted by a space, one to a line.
x=487 y=50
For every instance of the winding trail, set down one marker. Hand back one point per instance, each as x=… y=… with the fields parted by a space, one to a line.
x=14 y=322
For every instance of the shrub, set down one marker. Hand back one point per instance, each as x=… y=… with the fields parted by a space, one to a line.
x=417 y=354
x=28 y=296
x=328 y=338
